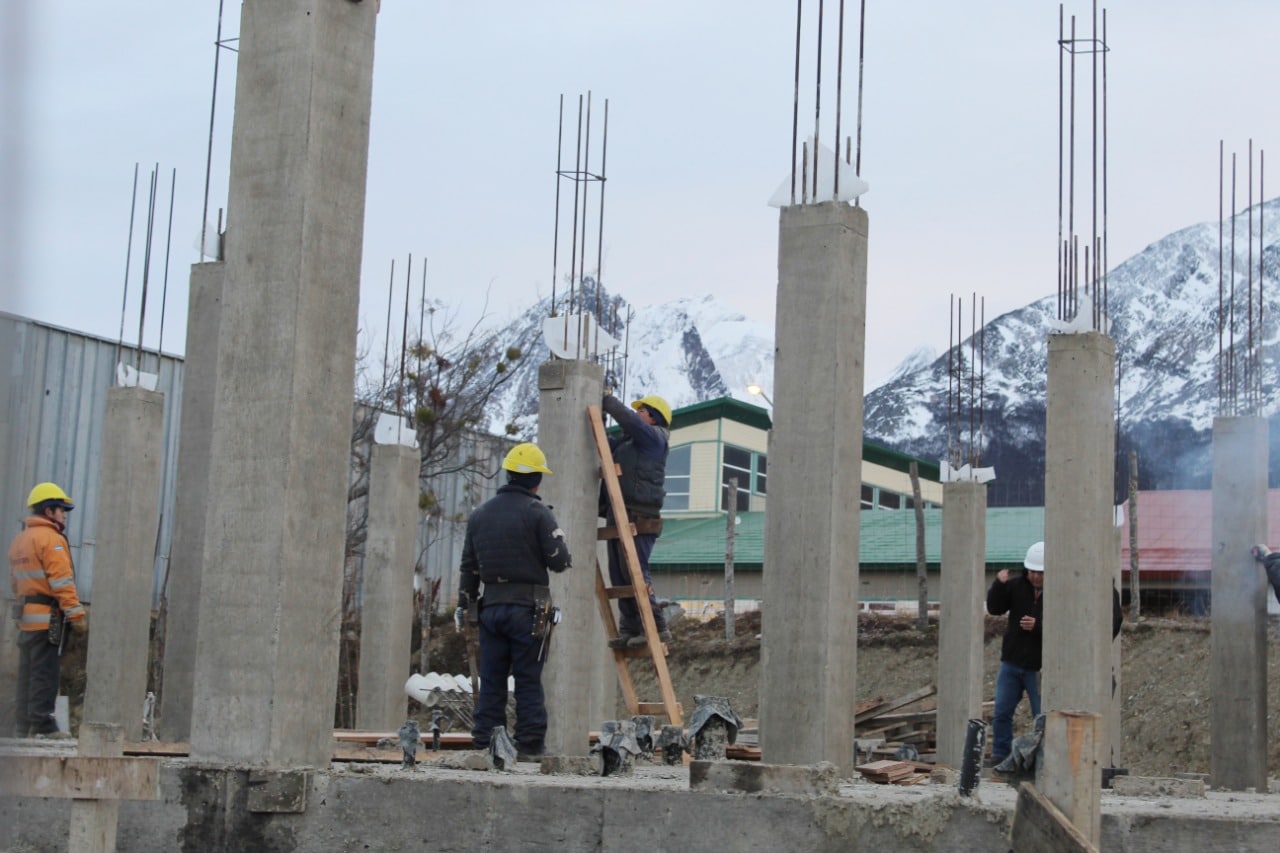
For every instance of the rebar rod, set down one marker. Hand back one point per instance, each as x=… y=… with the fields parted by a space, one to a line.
x=213 y=110
x=835 y=186
x=146 y=264
x=817 y=105
x=128 y=256
x=555 y=237
x=164 y=288
x=795 y=106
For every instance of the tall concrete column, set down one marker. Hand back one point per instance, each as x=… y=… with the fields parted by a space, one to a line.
x=809 y=649
x=571 y=677
x=390 y=556
x=191 y=489
x=270 y=597
x=1238 y=640
x=1079 y=530
x=128 y=517
x=964 y=556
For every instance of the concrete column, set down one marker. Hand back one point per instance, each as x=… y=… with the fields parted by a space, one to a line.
x=809 y=649
x=270 y=597
x=1238 y=640
x=571 y=678
x=186 y=552
x=1079 y=532
x=964 y=554
x=390 y=555
x=1070 y=771
x=128 y=517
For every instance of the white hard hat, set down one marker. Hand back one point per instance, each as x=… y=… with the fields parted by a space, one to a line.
x=1035 y=558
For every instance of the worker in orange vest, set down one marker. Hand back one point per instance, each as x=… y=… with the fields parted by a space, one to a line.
x=43 y=581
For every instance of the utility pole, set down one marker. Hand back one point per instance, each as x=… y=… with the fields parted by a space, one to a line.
x=731 y=525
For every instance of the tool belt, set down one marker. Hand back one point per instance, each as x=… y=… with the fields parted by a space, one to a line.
x=646 y=525
x=513 y=593
x=541 y=611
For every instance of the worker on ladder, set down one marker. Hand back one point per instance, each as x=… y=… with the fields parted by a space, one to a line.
x=640 y=451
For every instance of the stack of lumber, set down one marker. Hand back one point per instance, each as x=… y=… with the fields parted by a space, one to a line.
x=895 y=772
x=909 y=719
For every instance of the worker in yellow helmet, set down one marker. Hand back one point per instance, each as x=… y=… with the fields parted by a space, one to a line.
x=640 y=452
x=512 y=541
x=43 y=581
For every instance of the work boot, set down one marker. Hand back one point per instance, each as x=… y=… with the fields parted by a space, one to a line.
x=533 y=752
x=624 y=640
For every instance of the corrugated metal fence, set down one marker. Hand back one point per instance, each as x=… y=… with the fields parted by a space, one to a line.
x=53 y=385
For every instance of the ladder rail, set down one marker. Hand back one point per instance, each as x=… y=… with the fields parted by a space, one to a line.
x=639 y=590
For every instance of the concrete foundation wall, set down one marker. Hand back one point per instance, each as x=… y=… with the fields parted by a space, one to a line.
x=808 y=651
x=129 y=514
x=386 y=622
x=199 y=386
x=574 y=678
x=1079 y=525
x=961 y=620
x=271 y=591
x=209 y=809
x=1238 y=647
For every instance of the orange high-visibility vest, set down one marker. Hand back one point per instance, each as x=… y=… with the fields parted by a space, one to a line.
x=40 y=566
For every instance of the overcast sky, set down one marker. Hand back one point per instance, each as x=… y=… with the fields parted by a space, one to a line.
x=960 y=146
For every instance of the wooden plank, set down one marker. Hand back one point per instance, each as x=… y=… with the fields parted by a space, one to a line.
x=80 y=778
x=627 y=686
x=615 y=592
x=1040 y=825
x=901 y=701
x=609 y=531
x=156 y=747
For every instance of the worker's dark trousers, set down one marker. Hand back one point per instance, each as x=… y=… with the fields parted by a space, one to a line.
x=619 y=576
x=1272 y=566
x=507 y=647
x=37 y=688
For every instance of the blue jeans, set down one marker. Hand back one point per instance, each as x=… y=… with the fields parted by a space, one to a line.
x=507 y=648
x=629 y=622
x=1011 y=681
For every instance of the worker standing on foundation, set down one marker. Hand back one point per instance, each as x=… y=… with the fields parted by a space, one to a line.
x=640 y=451
x=1270 y=564
x=512 y=541
x=1022 y=598
x=43 y=582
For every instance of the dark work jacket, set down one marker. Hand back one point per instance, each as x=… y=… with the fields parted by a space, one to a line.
x=512 y=538
x=641 y=453
x=1018 y=598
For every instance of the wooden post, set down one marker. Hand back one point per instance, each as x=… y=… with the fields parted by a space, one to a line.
x=922 y=572
x=731 y=523
x=1070 y=774
x=93 y=822
x=1135 y=599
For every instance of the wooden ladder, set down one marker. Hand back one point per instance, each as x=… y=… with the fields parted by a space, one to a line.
x=654 y=648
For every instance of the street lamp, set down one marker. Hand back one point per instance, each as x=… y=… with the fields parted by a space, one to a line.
x=756 y=390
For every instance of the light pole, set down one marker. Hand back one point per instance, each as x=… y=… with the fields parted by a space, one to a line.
x=756 y=390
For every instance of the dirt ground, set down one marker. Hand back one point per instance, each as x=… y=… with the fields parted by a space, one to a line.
x=1164 y=679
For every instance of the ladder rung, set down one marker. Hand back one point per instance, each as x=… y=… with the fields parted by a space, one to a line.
x=620 y=592
x=657 y=708
x=611 y=532
x=635 y=651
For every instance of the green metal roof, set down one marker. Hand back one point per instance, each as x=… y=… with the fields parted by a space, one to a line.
x=887 y=539
x=728 y=408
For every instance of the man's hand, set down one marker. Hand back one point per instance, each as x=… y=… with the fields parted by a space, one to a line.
x=1003 y=576
x=81 y=625
x=1027 y=623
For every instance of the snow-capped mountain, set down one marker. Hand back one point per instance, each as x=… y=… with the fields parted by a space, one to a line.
x=1164 y=309
x=688 y=350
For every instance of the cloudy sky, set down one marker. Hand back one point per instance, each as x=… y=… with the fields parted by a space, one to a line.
x=960 y=146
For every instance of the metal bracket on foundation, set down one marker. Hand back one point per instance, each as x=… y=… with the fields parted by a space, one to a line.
x=278 y=792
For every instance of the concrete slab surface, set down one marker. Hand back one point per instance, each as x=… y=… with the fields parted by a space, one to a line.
x=382 y=807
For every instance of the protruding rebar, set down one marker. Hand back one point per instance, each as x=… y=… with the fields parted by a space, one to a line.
x=168 y=244
x=128 y=256
x=795 y=106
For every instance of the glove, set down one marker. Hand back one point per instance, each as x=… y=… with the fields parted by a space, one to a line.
x=81 y=625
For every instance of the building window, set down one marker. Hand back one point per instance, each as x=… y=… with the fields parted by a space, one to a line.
x=751 y=470
x=890 y=500
x=677 y=482
x=762 y=465
x=868 y=496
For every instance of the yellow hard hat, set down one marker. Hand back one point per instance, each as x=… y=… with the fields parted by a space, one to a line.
x=526 y=459
x=44 y=492
x=656 y=403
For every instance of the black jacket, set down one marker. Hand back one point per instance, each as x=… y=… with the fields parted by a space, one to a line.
x=1018 y=598
x=641 y=453
x=512 y=538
